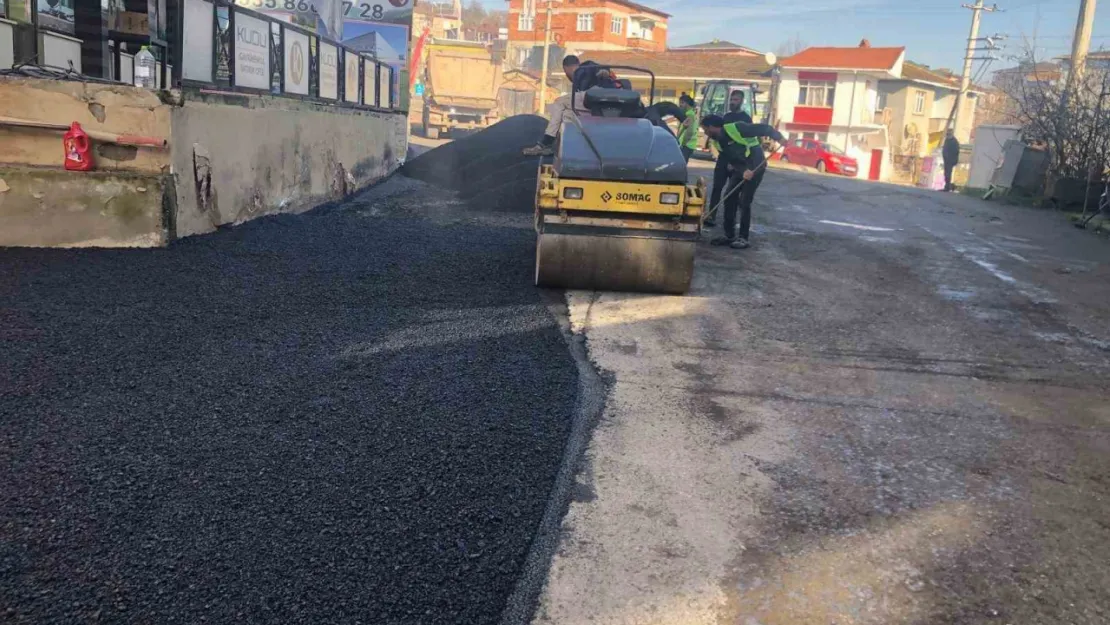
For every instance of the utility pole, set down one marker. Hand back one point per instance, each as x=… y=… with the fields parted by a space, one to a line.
x=976 y=13
x=546 y=53
x=1081 y=43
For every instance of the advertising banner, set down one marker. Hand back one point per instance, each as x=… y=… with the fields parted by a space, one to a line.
x=252 y=52
x=329 y=71
x=323 y=17
x=380 y=28
x=296 y=62
x=351 y=74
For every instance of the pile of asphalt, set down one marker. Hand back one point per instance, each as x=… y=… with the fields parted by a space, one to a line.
x=487 y=168
x=325 y=418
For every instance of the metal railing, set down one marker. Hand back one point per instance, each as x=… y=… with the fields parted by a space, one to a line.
x=226 y=47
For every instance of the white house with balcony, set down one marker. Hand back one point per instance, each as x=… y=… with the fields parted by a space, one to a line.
x=831 y=95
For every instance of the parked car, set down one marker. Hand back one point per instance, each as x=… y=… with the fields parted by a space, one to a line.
x=825 y=157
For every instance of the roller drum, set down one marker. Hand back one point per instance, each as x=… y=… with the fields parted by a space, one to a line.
x=614 y=263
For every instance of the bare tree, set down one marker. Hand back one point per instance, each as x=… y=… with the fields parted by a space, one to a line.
x=1075 y=130
x=791 y=46
x=473 y=13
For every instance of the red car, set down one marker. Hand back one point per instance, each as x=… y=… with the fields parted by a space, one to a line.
x=825 y=157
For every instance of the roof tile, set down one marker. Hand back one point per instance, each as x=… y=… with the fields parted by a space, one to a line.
x=845 y=58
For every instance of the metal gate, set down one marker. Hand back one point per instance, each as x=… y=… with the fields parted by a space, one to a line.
x=515 y=102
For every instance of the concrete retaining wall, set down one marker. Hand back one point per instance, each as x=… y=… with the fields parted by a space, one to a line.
x=238 y=157
x=118 y=109
x=57 y=208
x=231 y=158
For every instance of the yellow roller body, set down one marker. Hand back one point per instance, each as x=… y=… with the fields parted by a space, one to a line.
x=616 y=236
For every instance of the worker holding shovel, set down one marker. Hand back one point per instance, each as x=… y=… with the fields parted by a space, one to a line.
x=741 y=147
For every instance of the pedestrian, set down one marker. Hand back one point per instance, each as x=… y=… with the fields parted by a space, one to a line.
x=720 y=171
x=951 y=155
x=688 y=130
x=582 y=76
x=745 y=163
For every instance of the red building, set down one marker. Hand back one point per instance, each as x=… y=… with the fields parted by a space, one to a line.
x=581 y=25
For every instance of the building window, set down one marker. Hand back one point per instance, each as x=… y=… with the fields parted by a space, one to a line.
x=585 y=22
x=526 y=22
x=640 y=30
x=616 y=25
x=816 y=93
x=918 y=102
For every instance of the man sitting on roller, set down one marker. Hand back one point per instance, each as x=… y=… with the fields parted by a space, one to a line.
x=740 y=146
x=582 y=76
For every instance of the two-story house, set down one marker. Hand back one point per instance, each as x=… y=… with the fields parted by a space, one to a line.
x=831 y=94
x=581 y=25
x=919 y=107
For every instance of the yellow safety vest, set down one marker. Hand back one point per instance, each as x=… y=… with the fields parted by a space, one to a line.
x=734 y=134
x=688 y=137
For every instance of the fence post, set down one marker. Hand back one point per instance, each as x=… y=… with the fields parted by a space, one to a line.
x=281 y=58
x=215 y=41
x=231 y=43
x=176 y=10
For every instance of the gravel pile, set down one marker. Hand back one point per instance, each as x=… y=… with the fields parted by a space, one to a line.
x=487 y=168
x=326 y=418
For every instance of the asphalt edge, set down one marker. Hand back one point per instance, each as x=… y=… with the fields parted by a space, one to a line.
x=521 y=605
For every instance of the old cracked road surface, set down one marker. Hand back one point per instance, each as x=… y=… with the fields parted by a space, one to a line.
x=892 y=409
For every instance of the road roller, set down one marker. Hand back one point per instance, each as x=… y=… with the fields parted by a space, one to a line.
x=614 y=209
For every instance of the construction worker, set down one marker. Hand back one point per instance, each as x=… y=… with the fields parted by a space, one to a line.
x=720 y=172
x=582 y=76
x=688 y=131
x=745 y=163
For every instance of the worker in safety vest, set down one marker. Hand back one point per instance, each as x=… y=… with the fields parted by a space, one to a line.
x=720 y=172
x=741 y=150
x=688 y=129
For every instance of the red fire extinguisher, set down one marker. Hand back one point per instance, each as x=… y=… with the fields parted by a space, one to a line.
x=77 y=148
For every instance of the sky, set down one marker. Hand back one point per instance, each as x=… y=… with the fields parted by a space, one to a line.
x=934 y=32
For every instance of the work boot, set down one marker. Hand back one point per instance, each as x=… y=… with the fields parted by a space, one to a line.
x=539 y=150
x=740 y=244
x=721 y=241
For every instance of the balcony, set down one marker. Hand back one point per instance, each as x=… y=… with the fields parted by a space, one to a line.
x=639 y=43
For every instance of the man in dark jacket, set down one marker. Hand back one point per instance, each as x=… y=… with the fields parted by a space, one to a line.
x=582 y=76
x=745 y=162
x=720 y=171
x=951 y=154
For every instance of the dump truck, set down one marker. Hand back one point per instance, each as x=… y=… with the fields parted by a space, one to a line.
x=460 y=87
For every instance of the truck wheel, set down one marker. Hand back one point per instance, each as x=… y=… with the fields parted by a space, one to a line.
x=431 y=133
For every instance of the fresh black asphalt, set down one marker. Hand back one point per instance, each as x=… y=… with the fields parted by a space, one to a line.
x=327 y=418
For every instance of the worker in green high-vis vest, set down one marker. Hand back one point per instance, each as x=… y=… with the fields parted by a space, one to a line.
x=741 y=147
x=688 y=131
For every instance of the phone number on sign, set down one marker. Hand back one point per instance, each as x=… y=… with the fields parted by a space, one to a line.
x=353 y=10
